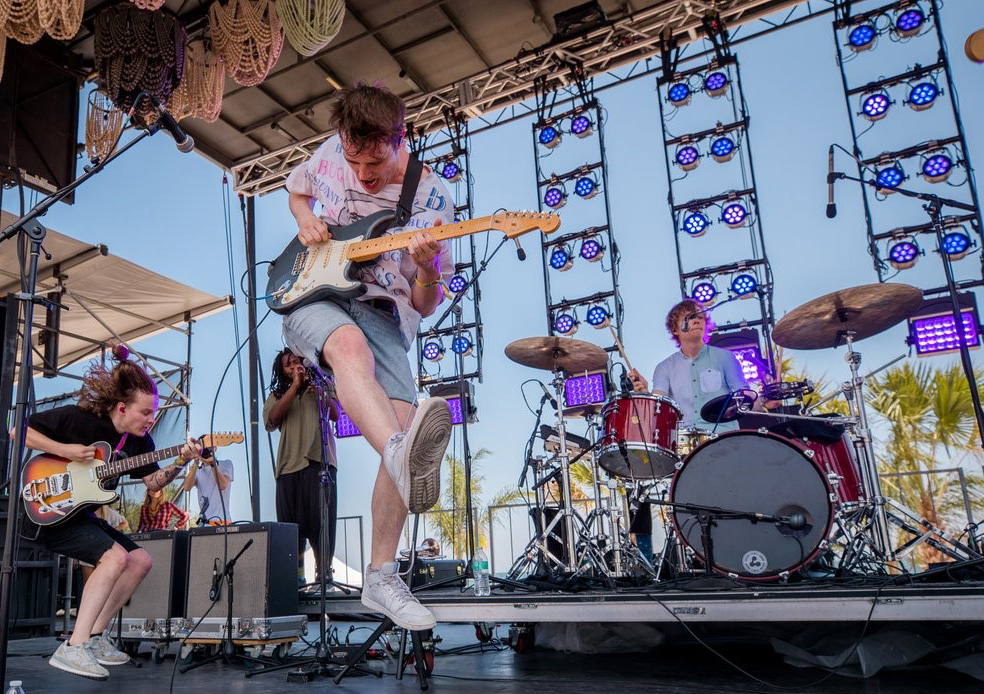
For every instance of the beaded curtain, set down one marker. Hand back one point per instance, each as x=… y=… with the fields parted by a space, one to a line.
x=27 y=20
x=248 y=36
x=199 y=94
x=103 y=125
x=139 y=51
x=310 y=25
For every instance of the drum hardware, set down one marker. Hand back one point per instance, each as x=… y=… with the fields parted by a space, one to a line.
x=728 y=407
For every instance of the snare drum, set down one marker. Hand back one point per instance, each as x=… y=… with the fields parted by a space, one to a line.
x=639 y=436
x=689 y=438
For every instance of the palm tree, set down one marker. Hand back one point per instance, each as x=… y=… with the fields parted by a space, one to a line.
x=788 y=371
x=449 y=523
x=931 y=425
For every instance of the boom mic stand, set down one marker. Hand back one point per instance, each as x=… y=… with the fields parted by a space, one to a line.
x=455 y=308
x=35 y=232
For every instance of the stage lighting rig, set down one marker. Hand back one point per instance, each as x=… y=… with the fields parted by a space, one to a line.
x=687 y=157
x=433 y=350
x=556 y=196
x=457 y=283
x=936 y=167
x=875 y=105
x=549 y=136
x=957 y=243
x=581 y=125
x=451 y=392
x=723 y=149
x=931 y=328
x=744 y=285
x=566 y=323
x=451 y=172
x=716 y=84
x=889 y=177
x=863 y=37
x=909 y=22
x=561 y=258
x=586 y=186
x=744 y=344
x=679 y=94
x=695 y=224
x=598 y=316
x=922 y=95
x=703 y=291
x=462 y=345
x=592 y=249
x=734 y=215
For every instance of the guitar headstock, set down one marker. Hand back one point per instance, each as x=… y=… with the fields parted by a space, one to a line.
x=514 y=224
x=221 y=438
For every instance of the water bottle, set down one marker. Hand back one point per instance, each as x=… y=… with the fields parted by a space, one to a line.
x=480 y=567
x=15 y=687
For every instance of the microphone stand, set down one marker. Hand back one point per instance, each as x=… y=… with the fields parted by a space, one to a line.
x=35 y=232
x=455 y=309
x=934 y=208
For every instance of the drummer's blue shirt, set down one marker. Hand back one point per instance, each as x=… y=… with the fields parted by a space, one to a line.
x=693 y=382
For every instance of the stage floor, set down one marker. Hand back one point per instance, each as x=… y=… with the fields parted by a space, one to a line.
x=713 y=600
x=674 y=668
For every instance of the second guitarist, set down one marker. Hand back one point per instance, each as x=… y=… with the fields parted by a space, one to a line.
x=117 y=406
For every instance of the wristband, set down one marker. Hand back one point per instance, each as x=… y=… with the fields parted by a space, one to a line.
x=426 y=285
x=180 y=463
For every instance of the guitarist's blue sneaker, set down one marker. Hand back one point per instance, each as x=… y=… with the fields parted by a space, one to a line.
x=413 y=459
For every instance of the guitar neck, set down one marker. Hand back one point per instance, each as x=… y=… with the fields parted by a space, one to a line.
x=361 y=251
x=121 y=466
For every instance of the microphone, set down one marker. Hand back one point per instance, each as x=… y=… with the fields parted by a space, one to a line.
x=548 y=396
x=520 y=253
x=831 y=207
x=216 y=590
x=183 y=140
x=685 y=328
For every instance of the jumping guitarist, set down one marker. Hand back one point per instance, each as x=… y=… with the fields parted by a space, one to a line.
x=364 y=169
x=116 y=406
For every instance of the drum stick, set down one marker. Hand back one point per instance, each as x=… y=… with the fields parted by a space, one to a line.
x=621 y=350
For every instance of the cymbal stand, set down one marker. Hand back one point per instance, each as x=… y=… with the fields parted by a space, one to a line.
x=538 y=548
x=871 y=484
x=565 y=473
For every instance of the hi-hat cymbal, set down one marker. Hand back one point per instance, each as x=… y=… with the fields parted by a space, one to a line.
x=864 y=311
x=551 y=353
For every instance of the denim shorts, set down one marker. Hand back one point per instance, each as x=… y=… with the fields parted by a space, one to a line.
x=307 y=328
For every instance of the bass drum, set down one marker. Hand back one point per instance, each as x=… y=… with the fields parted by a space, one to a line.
x=754 y=472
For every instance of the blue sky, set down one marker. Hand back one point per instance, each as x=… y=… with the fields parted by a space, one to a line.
x=164 y=210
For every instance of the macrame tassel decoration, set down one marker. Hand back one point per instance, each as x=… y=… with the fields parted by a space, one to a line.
x=103 y=125
x=310 y=25
x=23 y=21
x=3 y=53
x=138 y=51
x=61 y=18
x=148 y=4
x=199 y=94
x=248 y=36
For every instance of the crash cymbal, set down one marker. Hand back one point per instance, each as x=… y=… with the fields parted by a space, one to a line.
x=567 y=354
x=865 y=311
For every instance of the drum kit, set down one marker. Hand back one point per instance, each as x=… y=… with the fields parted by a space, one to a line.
x=790 y=491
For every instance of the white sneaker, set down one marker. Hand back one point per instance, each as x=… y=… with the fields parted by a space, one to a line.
x=384 y=591
x=105 y=651
x=413 y=459
x=78 y=660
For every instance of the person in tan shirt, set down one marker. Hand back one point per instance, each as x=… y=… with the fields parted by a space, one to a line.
x=292 y=407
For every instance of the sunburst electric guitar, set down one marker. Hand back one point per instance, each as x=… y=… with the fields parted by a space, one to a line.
x=54 y=488
x=302 y=274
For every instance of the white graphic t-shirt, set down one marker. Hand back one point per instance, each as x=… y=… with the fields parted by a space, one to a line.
x=328 y=178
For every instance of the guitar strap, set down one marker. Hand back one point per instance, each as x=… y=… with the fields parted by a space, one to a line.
x=411 y=178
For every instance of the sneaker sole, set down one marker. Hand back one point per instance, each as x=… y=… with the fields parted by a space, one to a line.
x=66 y=667
x=373 y=605
x=427 y=444
x=111 y=663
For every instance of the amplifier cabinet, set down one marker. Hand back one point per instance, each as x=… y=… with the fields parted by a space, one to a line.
x=161 y=595
x=265 y=576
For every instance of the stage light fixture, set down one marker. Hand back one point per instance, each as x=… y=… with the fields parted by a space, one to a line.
x=586 y=187
x=565 y=324
x=875 y=105
x=561 y=259
x=744 y=344
x=931 y=328
x=744 y=285
x=462 y=345
x=862 y=38
x=903 y=253
x=909 y=22
x=679 y=94
x=695 y=224
x=555 y=197
x=687 y=157
x=957 y=244
x=451 y=172
x=716 y=84
x=549 y=136
x=723 y=149
x=889 y=178
x=457 y=284
x=598 y=316
x=704 y=293
x=433 y=350
x=586 y=390
x=923 y=96
x=581 y=126
x=345 y=427
x=936 y=168
x=734 y=215
x=592 y=249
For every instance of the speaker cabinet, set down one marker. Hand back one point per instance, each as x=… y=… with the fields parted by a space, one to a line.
x=162 y=593
x=265 y=576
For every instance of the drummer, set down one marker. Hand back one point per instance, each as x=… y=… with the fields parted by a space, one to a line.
x=698 y=372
